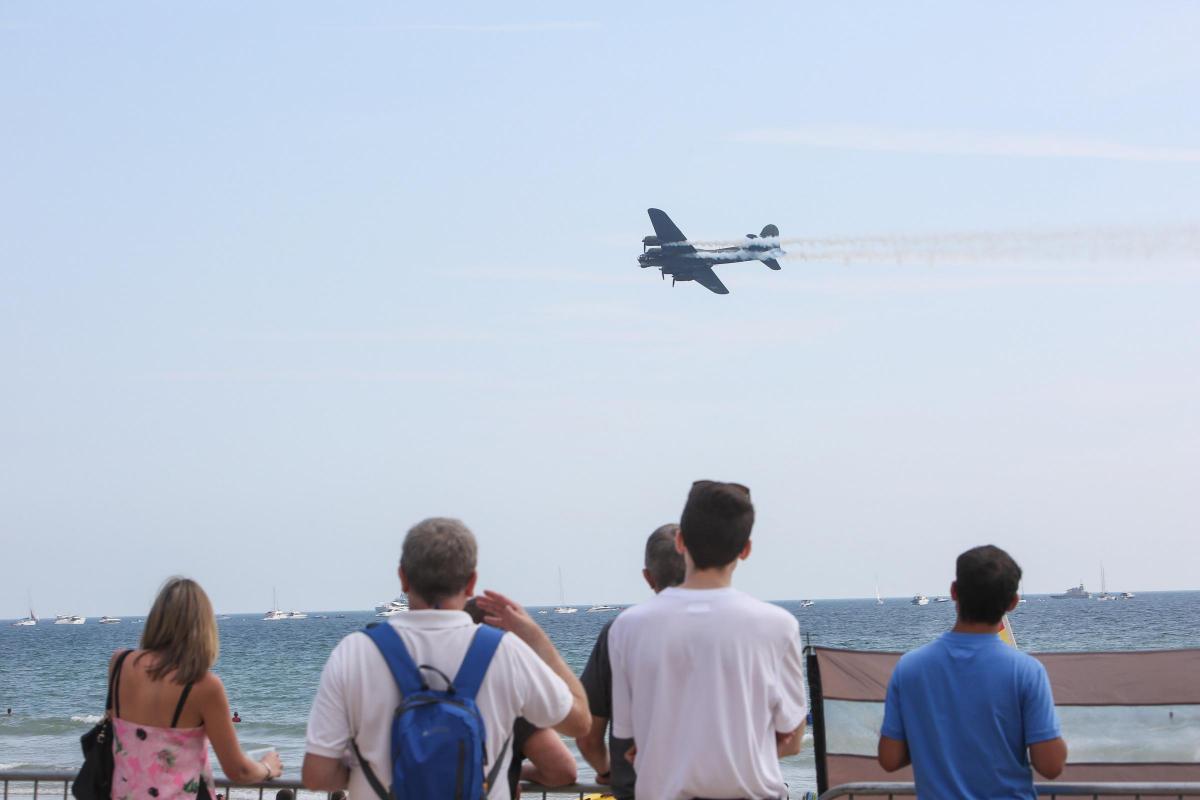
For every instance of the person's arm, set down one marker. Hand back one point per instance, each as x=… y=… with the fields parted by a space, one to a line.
x=329 y=728
x=893 y=754
x=790 y=710
x=218 y=726
x=507 y=615
x=788 y=744
x=1043 y=734
x=594 y=750
x=893 y=743
x=1049 y=757
x=550 y=762
x=324 y=774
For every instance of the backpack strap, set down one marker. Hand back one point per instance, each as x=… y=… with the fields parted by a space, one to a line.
x=475 y=663
x=407 y=676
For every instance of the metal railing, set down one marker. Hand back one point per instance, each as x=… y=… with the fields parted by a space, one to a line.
x=54 y=784
x=1052 y=790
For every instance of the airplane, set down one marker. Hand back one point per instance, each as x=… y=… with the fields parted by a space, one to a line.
x=668 y=249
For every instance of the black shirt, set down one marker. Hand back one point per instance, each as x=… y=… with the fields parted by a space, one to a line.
x=597 y=684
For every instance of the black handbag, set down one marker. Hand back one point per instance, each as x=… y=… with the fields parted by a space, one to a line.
x=94 y=781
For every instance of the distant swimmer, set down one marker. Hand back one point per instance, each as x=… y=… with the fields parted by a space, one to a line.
x=8 y=713
x=236 y=718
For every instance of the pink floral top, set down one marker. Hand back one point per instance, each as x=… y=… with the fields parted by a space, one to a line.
x=159 y=763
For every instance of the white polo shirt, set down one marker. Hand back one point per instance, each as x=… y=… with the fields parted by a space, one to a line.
x=358 y=696
x=702 y=681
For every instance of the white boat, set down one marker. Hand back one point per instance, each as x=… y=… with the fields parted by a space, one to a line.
x=806 y=603
x=562 y=607
x=1104 y=595
x=941 y=600
x=878 y=599
x=109 y=620
x=275 y=614
x=1127 y=595
x=397 y=606
x=69 y=619
x=26 y=621
x=602 y=607
x=919 y=600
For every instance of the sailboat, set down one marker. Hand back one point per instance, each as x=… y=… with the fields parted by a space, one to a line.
x=1104 y=595
x=878 y=599
x=276 y=614
x=562 y=607
x=30 y=620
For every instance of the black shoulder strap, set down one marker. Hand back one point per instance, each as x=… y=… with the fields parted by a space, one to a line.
x=113 y=699
x=490 y=781
x=187 y=689
x=369 y=773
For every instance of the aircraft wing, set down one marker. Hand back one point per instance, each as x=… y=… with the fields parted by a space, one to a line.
x=668 y=232
x=709 y=280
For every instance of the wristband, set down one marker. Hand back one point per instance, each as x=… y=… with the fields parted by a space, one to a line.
x=604 y=774
x=268 y=768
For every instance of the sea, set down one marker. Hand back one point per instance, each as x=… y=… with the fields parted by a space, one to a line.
x=53 y=676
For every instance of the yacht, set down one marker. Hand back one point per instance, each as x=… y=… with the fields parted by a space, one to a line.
x=1127 y=595
x=806 y=603
x=603 y=607
x=941 y=600
x=69 y=619
x=878 y=599
x=397 y=606
x=109 y=620
x=1074 y=593
x=919 y=600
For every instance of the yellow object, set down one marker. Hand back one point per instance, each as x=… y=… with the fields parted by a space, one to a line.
x=598 y=797
x=1006 y=632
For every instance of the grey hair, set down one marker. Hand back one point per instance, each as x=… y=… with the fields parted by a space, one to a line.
x=664 y=564
x=438 y=558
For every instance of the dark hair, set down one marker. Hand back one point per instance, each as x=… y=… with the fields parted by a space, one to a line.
x=986 y=579
x=716 y=522
x=473 y=610
x=663 y=562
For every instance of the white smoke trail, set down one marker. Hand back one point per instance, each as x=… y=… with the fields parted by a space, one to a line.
x=1064 y=244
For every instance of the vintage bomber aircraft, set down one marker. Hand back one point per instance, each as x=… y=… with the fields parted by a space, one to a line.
x=668 y=249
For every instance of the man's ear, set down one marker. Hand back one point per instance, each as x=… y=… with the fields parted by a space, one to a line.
x=470 y=590
x=1013 y=603
x=403 y=580
x=954 y=591
x=679 y=546
x=745 y=551
x=649 y=580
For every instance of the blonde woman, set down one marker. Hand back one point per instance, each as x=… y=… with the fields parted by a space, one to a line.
x=167 y=706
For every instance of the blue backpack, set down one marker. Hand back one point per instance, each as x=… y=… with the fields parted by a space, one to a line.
x=438 y=737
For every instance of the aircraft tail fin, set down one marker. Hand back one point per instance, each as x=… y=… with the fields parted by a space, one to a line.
x=771 y=232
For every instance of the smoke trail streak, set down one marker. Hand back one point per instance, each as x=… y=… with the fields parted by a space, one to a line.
x=1066 y=244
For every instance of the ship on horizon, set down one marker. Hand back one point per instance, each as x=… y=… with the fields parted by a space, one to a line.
x=1074 y=593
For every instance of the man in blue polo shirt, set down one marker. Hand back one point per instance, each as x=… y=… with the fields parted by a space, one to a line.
x=967 y=711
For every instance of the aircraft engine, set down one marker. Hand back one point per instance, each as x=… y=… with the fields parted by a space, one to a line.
x=649 y=241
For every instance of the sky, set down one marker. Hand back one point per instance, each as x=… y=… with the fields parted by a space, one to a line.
x=280 y=279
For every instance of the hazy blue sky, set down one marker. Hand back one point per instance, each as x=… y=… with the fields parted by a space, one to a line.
x=279 y=279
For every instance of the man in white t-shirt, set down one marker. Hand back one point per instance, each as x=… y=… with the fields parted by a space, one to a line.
x=358 y=696
x=707 y=680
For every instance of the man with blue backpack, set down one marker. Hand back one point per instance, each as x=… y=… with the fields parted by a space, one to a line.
x=421 y=706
